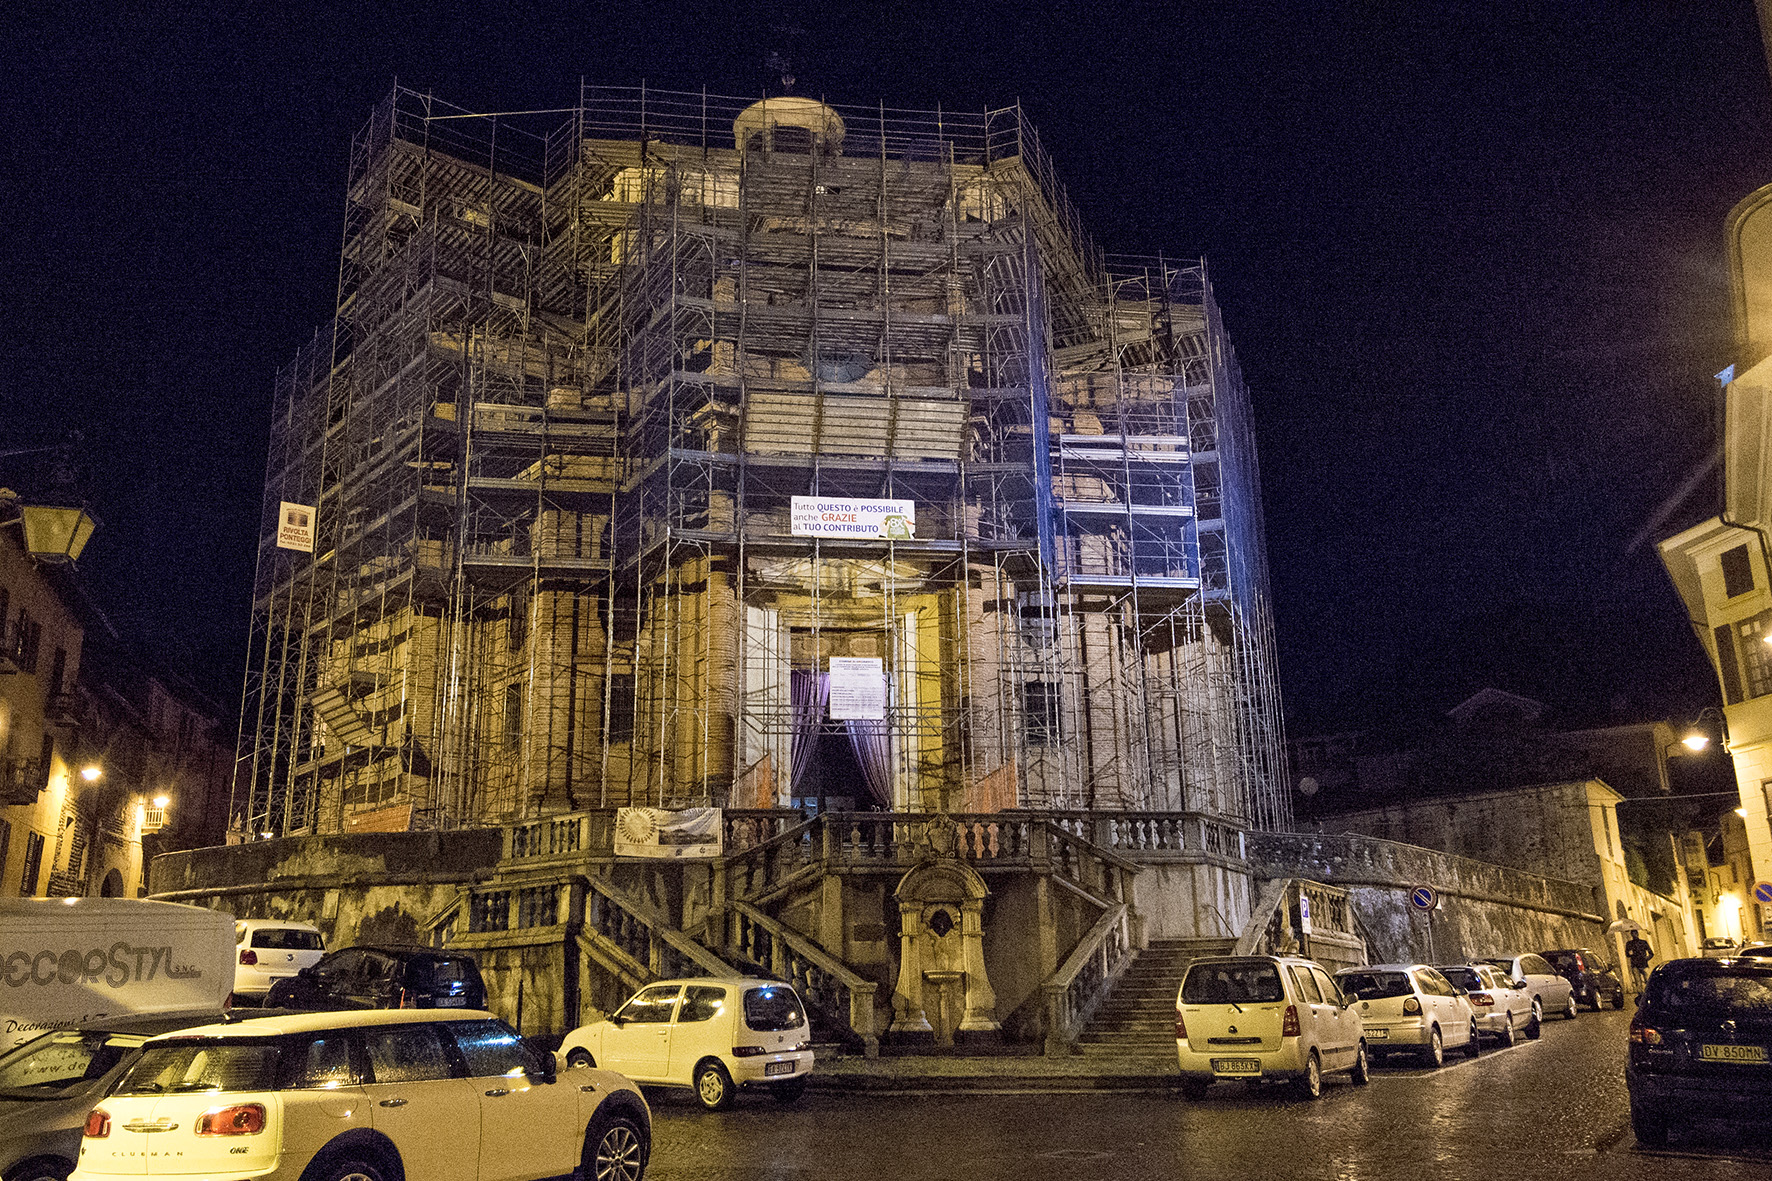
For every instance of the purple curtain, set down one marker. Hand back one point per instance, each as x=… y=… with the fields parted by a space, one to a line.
x=872 y=741
x=808 y=691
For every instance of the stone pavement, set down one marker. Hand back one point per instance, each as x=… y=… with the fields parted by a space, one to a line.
x=990 y=1073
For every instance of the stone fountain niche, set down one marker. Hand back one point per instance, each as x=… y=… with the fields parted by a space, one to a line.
x=943 y=995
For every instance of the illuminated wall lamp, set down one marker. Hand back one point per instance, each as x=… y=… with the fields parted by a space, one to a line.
x=52 y=534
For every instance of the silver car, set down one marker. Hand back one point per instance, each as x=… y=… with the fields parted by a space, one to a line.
x=1503 y=1007
x=48 y=1084
x=1411 y=1008
x=1551 y=993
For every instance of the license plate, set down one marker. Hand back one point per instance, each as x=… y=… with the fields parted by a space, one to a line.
x=452 y=1002
x=1377 y=1034
x=1236 y=1066
x=1711 y=1053
x=778 y=1068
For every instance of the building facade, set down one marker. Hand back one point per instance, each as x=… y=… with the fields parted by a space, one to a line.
x=641 y=438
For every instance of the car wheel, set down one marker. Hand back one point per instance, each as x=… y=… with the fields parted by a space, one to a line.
x=350 y=1169
x=41 y=1170
x=579 y=1057
x=1618 y=998
x=615 y=1150
x=790 y=1091
x=1506 y=1036
x=1435 y=1053
x=1649 y=1127
x=1569 y=1009
x=713 y=1086
x=1310 y=1084
x=1362 y=1071
x=1475 y=1046
x=1593 y=998
x=1535 y=1025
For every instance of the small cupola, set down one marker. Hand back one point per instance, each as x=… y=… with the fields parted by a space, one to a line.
x=802 y=126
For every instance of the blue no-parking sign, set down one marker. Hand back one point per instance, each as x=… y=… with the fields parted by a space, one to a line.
x=1423 y=898
x=1763 y=893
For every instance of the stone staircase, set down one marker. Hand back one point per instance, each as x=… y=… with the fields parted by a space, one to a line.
x=1138 y=1017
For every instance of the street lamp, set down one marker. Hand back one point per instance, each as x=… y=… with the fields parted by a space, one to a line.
x=91 y=772
x=52 y=534
x=1696 y=739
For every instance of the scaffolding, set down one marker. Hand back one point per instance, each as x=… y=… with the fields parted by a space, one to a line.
x=583 y=365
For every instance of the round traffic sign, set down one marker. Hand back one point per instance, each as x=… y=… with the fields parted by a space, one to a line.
x=1423 y=897
x=1763 y=893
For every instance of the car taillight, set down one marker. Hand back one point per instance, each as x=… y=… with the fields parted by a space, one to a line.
x=748 y=1051
x=407 y=1000
x=1289 y=1023
x=1180 y=1027
x=1481 y=998
x=242 y=1119
x=248 y=956
x=98 y=1124
x=1643 y=1033
x=1411 y=1006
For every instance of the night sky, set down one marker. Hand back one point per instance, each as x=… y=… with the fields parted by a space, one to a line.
x=1473 y=268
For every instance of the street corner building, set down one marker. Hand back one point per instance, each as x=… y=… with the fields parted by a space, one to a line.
x=803 y=461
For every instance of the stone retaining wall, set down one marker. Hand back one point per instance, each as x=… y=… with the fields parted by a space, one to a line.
x=1484 y=909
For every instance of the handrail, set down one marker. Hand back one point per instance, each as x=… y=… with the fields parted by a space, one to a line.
x=1073 y=992
x=645 y=939
x=812 y=970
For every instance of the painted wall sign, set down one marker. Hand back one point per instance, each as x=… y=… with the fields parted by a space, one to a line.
x=824 y=516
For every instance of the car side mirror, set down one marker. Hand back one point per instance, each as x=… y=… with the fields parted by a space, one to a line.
x=549 y=1067
x=1519 y=984
x=618 y=1019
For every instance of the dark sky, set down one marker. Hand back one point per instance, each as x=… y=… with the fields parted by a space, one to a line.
x=1473 y=268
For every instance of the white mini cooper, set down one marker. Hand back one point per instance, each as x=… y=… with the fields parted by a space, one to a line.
x=365 y=1095
x=710 y=1034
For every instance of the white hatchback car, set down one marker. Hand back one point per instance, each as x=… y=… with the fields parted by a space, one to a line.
x=1502 y=1006
x=710 y=1034
x=269 y=950
x=1412 y=1007
x=1265 y=1017
x=1550 y=991
x=364 y=1095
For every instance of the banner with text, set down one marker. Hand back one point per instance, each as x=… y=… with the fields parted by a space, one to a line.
x=825 y=516
x=659 y=832
x=858 y=688
x=295 y=527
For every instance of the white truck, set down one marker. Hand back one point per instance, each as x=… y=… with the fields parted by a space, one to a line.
x=78 y=961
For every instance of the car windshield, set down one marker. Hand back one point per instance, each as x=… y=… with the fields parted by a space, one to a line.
x=772 y=1009
x=201 y=1066
x=1468 y=979
x=287 y=939
x=1376 y=986
x=45 y=1067
x=1563 y=961
x=1745 y=990
x=1227 y=984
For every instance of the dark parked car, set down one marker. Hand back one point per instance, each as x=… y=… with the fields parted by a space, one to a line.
x=1701 y=1045
x=384 y=977
x=1593 y=979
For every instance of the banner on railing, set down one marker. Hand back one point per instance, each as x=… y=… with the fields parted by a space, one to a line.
x=659 y=832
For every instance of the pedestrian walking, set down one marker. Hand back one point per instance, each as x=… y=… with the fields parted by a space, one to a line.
x=1639 y=953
